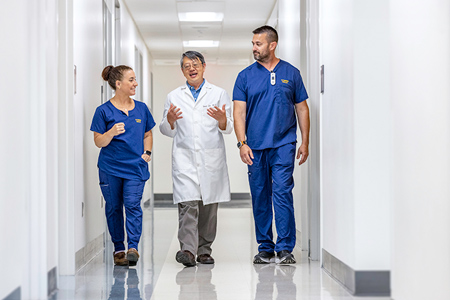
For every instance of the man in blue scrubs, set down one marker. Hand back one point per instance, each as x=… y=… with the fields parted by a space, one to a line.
x=269 y=97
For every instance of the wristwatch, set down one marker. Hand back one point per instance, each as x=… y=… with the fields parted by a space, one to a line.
x=240 y=144
x=148 y=152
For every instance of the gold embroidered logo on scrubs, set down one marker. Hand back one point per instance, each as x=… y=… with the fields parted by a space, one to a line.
x=138 y=120
x=284 y=80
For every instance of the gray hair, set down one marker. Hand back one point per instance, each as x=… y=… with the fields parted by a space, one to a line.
x=192 y=55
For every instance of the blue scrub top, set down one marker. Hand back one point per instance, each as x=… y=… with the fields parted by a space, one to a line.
x=271 y=120
x=122 y=157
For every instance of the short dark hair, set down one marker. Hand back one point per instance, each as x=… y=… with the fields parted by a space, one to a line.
x=272 y=34
x=192 y=55
x=111 y=74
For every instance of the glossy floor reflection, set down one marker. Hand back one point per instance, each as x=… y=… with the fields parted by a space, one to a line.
x=159 y=277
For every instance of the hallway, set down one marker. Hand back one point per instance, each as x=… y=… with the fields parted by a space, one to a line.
x=159 y=277
x=371 y=202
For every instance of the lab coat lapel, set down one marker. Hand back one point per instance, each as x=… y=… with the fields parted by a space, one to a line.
x=188 y=95
x=203 y=91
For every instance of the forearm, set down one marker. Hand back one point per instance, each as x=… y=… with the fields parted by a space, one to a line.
x=223 y=124
x=103 y=140
x=166 y=129
x=226 y=126
x=148 y=141
x=303 y=121
x=239 y=120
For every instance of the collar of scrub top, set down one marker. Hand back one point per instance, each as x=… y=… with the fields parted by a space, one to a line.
x=195 y=92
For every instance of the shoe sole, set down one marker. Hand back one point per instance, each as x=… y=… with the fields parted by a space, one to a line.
x=183 y=258
x=287 y=260
x=259 y=260
x=209 y=262
x=132 y=259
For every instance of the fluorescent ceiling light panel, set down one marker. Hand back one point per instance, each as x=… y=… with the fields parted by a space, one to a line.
x=201 y=43
x=200 y=17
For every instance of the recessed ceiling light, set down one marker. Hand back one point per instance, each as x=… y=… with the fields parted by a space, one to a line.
x=201 y=43
x=200 y=17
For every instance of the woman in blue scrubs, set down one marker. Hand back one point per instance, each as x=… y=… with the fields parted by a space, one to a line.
x=122 y=129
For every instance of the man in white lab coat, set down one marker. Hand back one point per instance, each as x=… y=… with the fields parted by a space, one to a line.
x=196 y=115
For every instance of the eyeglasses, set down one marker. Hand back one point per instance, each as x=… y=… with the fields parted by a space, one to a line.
x=195 y=66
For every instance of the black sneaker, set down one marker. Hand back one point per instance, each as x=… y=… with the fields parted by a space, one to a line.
x=285 y=257
x=263 y=257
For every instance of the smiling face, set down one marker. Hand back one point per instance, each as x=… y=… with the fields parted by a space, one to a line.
x=128 y=84
x=193 y=71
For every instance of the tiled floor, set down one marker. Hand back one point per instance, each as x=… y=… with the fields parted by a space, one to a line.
x=159 y=277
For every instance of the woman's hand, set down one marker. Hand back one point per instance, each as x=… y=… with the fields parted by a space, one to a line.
x=103 y=140
x=117 y=129
x=146 y=157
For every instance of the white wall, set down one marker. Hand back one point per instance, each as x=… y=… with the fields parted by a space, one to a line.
x=37 y=167
x=88 y=58
x=167 y=78
x=356 y=133
x=28 y=166
x=13 y=160
x=289 y=49
x=132 y=38
x=420 y=93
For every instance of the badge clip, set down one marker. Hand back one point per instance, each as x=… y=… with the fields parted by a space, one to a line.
x=272 y=78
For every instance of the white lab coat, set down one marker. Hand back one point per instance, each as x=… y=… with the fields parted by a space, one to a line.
x=199 y=166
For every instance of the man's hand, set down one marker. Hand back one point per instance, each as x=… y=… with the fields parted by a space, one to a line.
x=303 y=153
x=218 y=114
x=246 y=155
x=173 y=114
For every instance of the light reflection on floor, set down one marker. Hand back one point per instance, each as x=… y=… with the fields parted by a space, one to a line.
x=159 y=277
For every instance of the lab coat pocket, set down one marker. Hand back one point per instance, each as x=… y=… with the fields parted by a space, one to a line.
x=214 y=160
x=182 y=159
x=207 y=120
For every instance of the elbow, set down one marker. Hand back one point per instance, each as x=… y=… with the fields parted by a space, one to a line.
x=97 y=143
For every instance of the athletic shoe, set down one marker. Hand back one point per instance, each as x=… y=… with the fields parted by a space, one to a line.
x=263 y=257
x=285 y=257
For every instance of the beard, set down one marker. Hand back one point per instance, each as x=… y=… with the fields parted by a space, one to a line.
x=261 y=56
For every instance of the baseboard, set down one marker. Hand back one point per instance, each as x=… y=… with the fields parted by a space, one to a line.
x=88 y=252
x=52 y=282
x=15 y=295
x=167 y=196
x=234 y=196
x=358 y=283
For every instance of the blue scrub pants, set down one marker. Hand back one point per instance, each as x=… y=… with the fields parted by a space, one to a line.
x=118 y=193
x=271 y=181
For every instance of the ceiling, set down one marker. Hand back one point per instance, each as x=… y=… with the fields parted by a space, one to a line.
x=164 y=34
